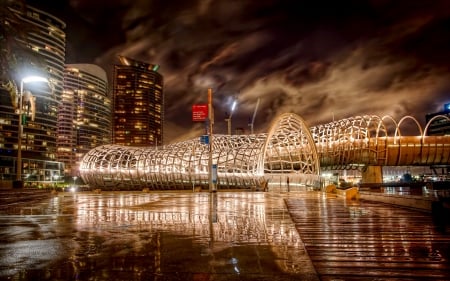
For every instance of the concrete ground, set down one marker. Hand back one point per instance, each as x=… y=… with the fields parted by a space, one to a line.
x=218 y=236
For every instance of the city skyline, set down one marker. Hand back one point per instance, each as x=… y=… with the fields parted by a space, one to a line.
x=320 y=60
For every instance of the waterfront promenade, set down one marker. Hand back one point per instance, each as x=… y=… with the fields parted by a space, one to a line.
x=219 y=236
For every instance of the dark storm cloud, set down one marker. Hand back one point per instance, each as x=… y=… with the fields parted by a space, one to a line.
x=319 y=59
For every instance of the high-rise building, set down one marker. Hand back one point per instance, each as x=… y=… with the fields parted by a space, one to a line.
x=138 y=115
x=38 y=139
x=84 y=116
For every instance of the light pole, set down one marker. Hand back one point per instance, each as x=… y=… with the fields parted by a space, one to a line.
x=25 y=80
x=233 y=106
x=211 y=177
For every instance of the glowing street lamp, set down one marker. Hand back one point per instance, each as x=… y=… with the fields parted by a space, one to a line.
x=233 y=107
x=25 y=80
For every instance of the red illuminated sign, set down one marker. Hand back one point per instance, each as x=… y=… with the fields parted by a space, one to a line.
x=199 y=112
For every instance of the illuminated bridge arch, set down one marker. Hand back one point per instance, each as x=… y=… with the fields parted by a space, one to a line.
x=346 y=143
x=243 y=161
x=371 y=140
x=289 y=150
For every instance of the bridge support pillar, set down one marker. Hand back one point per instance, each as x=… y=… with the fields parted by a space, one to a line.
x=372 y=174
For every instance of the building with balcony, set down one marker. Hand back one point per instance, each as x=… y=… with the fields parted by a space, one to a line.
x=38 y=141
x=138 y=114
x=84 y=116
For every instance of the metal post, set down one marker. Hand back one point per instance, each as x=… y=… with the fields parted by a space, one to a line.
x=19 y=140
x=211 y=123
x=20 y=126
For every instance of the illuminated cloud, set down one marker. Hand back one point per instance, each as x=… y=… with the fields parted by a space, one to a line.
x=319 y=59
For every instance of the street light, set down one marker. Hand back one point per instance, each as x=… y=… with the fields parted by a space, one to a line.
x=233 y=106
x=25 y=80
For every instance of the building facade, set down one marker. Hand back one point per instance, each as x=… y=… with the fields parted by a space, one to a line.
x=138 y=115
x=38 y=138
x=440 y=125
x=84 y=116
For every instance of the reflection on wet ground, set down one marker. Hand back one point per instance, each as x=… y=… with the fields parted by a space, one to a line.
x=416 y=190
x=153 y=236
x=219 y=236
x=362 y=240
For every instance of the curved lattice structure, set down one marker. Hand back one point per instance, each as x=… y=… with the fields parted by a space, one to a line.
x=348 y=143
x=289 y=149
x=360 y=141
x=243 y=161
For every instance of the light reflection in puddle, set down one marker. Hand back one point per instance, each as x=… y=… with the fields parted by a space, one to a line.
x=167 y=233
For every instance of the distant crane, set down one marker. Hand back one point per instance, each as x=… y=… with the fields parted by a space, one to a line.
x=253 y=118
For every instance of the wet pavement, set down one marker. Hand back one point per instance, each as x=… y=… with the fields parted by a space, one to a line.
x=363 y=240
x=153 y=236
x=219 y=236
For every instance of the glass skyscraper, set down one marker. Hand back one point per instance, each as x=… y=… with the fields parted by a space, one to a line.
x=138 y=115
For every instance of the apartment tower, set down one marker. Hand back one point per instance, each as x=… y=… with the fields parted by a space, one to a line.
x=84 y=117
x=47 y=41
x=138 y=114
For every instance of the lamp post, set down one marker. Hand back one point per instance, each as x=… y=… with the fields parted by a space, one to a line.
x=25 y=80
x=233 y=106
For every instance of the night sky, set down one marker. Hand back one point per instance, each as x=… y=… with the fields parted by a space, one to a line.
x=318 y=59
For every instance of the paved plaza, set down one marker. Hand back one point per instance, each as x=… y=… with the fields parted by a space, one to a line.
x=219 y=236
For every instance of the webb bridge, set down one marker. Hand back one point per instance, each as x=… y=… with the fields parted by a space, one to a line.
x=289 y=149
